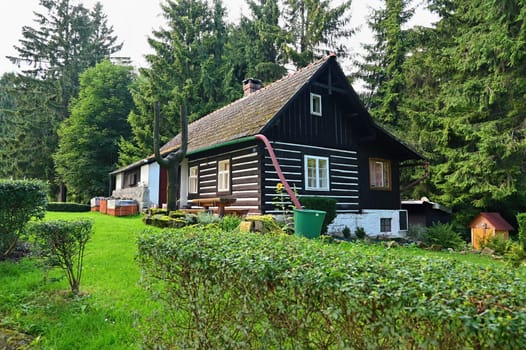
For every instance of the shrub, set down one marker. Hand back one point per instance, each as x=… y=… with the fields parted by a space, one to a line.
x=327 y=205
x=205 y=218
x=62 y=244
x=223 y=290
x=230 y=222
x=521 y=221
x=346 y=232
x=443 y=236
x=498 y=244
x=20 y=200
x=67 y=207
x=417 y=233
x=360 y=233
x=515 y=255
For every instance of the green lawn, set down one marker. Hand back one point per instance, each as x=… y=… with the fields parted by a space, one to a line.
x=113 y=307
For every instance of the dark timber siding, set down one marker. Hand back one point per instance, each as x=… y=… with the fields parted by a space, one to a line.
x=343 y=175
x=296 y=124
x=244 y=177
x=378 y=199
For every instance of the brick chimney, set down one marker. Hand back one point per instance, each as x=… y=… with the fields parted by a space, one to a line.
x=251 y=85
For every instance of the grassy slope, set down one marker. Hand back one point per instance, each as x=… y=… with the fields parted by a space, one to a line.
x=113 y=308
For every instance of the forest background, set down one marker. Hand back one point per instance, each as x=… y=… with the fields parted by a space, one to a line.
x=455 y=91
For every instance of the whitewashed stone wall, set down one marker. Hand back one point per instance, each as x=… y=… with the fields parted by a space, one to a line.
x=370 y=221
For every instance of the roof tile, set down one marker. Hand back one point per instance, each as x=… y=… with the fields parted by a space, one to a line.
x=247 y=115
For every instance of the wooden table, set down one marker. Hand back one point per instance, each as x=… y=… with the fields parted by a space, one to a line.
x=219 y=202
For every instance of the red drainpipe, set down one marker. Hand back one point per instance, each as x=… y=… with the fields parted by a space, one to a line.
x=278 y=170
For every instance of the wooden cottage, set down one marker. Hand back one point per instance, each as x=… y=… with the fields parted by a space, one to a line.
x=486 y=226
x=325 y=142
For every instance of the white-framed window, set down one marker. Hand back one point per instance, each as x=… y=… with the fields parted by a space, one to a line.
x=193 y=179
x=316 y=173
x=223 y=175
x=385 y=225
x=315 y=104
x=380 y=174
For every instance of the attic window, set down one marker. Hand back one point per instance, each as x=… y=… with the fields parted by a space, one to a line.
x=315 y=104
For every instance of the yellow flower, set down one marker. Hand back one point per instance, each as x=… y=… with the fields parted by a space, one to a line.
x=279 y=187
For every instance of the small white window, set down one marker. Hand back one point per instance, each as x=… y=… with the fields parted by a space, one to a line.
x=223 y=176
x=315 y=104
x=193 y=180
x=316 y=173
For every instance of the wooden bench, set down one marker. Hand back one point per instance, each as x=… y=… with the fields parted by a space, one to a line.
x=219 y=202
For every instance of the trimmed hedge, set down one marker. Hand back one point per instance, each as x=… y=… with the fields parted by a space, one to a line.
x=327 y=205
x=67 y=207
x=238 y=290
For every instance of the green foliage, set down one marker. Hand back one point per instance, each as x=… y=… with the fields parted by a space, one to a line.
x=205 y=218
x=462 y=106
x=62 y=243
x=360 y=233
x=267 y=224
x=313 y=27
x=499 y=244
x=327 y=205
x=515 y=255
x=230 y=222
x=20 y=201
x=521 y=221
x=346 y=232
x=188 y=66
x=67 y=207
x=229 y=290
x=88 y=139
x=443 y=236
x=382 y=67
x=66 y=39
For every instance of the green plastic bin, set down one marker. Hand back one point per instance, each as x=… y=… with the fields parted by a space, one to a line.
x=308 y=222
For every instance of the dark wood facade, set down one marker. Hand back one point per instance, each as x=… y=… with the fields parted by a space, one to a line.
x=313 y=115
x=344 y=134
x=343 y=175
x=245 y=175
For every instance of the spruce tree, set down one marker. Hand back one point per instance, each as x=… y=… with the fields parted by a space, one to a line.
x=188 y=65
x=315 y=28
x=65 y=40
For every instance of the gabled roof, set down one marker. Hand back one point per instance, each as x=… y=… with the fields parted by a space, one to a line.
x=495 y=220
x=248 y=115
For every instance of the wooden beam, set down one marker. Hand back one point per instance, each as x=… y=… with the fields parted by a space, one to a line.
x=331 y=88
